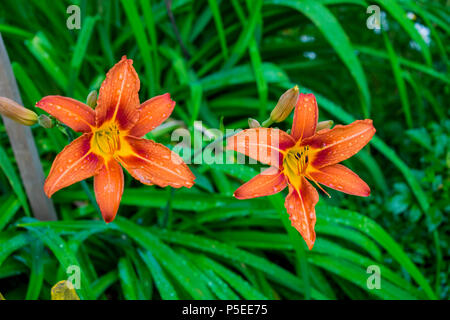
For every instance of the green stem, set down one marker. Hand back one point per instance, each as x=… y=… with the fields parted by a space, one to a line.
x=267 y=123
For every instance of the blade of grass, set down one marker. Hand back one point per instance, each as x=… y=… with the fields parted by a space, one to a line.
x=151 y=29
x=174 y=263
x=399 y=80
x=63 y=254
x=80 y=52
x=332 y=30
x=128 y=279
x=234 y=280
x=261 y=83
x=274 y=272
x=245 y=36
x=134 y=19
x=15 y=182
x=214 y=6
x=399 y=14
x=165 y=288
x=37 y=271
x=10 y=243
x=8 y=207
x=103 y=283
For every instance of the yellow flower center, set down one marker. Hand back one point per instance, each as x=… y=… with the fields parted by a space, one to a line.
x=106 y=140
x=295 y=163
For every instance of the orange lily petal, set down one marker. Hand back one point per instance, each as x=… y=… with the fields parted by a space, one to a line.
x=73 y=113
x=262 y=144
x=74 y=163
x=151 y=162
x=305 y=117
x=118 y=97
x=269 y=182
x=340 y=143
x=342 y=179
x=108 y=187
x=300 y=205
x=152 y=113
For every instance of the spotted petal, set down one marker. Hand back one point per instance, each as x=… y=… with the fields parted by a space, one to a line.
x=300 y=205
x=71 y=112
x=306 y=115
x=332 y=146
x=74 y=163
x=341 y=178
x=269 y=182
x=263 y=144
x=108 y=187
x=118 y=97
x=152 y=113
x=152 y=163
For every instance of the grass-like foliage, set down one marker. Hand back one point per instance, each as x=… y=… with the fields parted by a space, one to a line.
x=222 y=62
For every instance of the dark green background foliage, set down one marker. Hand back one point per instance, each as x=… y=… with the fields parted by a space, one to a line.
x=238 y=58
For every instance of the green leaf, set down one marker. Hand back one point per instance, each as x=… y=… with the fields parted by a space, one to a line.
x=63 y=254
x=332 y=30
x=399 y=80
x=214 y=6
x=165 y=288
x=173 y=262
x=80 y=50
x=11 y=243
x=399 y=14
x=128 y=279
x=16 y=183
x=8 y=208
x=274 y=272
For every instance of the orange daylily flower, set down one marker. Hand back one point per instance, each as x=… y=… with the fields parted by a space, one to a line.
x=112 y=135
x=303 y=154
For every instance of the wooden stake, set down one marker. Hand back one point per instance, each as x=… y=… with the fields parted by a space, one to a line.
x=23 y=145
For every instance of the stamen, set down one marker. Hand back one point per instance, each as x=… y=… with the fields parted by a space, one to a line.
x=107 y=140
x=296 y=160
x=318 y=185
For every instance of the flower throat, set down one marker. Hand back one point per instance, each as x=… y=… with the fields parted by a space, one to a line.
x=296 y=161
x=107 y=139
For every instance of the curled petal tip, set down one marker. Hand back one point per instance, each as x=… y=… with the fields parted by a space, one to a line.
x=48 y=192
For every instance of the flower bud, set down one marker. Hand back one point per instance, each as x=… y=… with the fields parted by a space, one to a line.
x=252 y=123
x=285 y=105
x=45 y=121
x=16 y=112
x=91 y=100
x=327 y=124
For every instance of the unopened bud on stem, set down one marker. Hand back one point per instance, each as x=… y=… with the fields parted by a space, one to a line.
x=252 y=123
x=327 y=124
x=16 y=112
x=91 y=100
x=285 y=105
x=45 y=121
